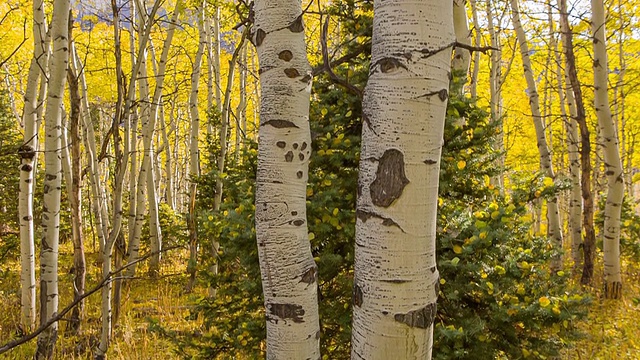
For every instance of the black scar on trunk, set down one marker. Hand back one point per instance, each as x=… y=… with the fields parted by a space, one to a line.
x=390 y=179
x=287 y=311
x=421 y=318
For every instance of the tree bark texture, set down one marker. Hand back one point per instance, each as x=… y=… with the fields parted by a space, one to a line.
x=612 y=162
x=52 y=179
x=289 y=274
x=404 y=105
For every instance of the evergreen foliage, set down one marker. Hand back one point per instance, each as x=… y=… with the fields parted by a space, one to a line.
x=496 y=298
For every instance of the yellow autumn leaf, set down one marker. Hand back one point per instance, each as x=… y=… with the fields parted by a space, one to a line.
x=462 y=164
x=335 y=211
x=548 y=182
x=544 y=301
x=457 y=249
x=312 y=236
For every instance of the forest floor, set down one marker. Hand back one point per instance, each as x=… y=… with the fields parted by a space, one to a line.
x=611 y=331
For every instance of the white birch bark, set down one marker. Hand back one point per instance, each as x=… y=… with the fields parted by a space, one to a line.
x=404 y=105
x=613 y=165
x=554 y=227
x=28 y=156
x=289 y=274
x=52 y=179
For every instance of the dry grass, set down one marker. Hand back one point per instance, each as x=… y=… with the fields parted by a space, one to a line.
x=161 y=299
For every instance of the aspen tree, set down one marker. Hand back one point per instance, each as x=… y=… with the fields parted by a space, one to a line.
x=612 y=162
x=28 y=156
x=74 y=184
x=404 y=106
x=572 y=139
x=52 y=179
x=574 y=92
x=495 y=88
x=289 y=274
x=194 y=152
x=554 y=228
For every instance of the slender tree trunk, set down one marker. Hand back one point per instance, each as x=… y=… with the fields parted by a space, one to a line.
x=289 y=274
x=572 y=139
x=241 y=111
x=28 y=156
x=476 y=55
x=52 y=182
x=495 y=89
x=589 y=240
x=79 y=262
x=461 y=57
x=404 y=106
x=613 y=164
x=194 y=149
x=554 y=228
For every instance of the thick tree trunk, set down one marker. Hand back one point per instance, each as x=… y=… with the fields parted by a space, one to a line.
x=613 y=165
x=404 y=106
x=589 y=242
x=28 y=155
x=289 y=274
x=554 y=227
x=53 y=178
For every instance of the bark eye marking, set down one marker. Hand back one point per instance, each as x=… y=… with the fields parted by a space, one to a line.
x=304 y=146
x=281 y=124
x=26 y=152
x=299 y=174
x=287 y=311
x=297 y=25
x=421 y=318
x=281 y=144
x=291 y=73
x=388 y=65
x=50 y=177
x=357 y=296
x=295 y=146
x=390 y=179
x=298 y=222
x=26 y=167
x=301 y=156
x=260 y=35
x=289 y=156
x=285 y=55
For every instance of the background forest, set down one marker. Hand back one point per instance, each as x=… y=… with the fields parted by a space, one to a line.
x=154 y=112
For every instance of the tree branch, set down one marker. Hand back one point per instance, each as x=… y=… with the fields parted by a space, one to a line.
x=327 y=64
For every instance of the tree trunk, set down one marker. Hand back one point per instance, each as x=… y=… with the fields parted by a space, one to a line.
x=28 y=155
x=613 y=165
x=289 y=274
x=52 y=181
x=554 y=227
x=396 y=280
x=495 y=89
x=79 y=262
x=194 y=149
x=476 y=55
x=461 y=57
x=589 y=242
x=572 y=140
